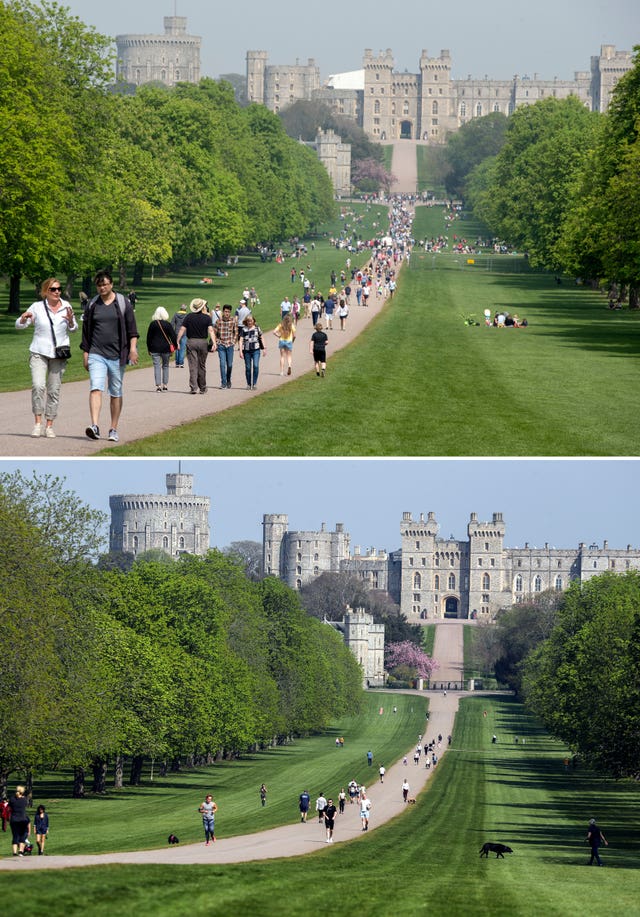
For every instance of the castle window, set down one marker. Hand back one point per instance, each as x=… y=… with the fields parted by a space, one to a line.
x=377 y=76
x=316 y=571
x=298 y=584
x=316 y=557
x=417 y=545
x=452 y=560
x=493 y=561
x=181 y=543
x=437 y=560
x=298 y=570
x=165 y=542
x=558 y=584
x=486 y=598
x=417 y=581
x=537 y=584
x=595 y=565
x=538 y=562
x=134 y=542
x=434 y=121
x=177 y=75
x=452 y=581
x=416 y=597
x=436 y=582
x=613 y=565
x=434 y=108
x=486 y=581
x=424 y=561
x=519 y=563
x=478 y=110
x=376 y=107
x=411 y=561
x=479 y=561
x=298 y=557
x=518 y=583
x=496 y=107
x=435 y=77
x=559 y=564
x=486 y=545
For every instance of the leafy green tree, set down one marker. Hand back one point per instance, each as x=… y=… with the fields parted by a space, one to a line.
x=519 y=630
x=583 y=681
x=476 y=141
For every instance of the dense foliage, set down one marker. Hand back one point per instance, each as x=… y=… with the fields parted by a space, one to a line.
x=165 y=660
x=94 y=178
x=565 y=185
x=583 y=681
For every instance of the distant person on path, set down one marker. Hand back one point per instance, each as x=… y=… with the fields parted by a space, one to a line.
x=42 y=828
x=251 y=347
x=304 y=803
x=263 y=795
x=329 y=819
x=342 y=796
x=19 y=821
x=318 y=348
x=382 y=772
x=595 y=838
x=226 y=331
x=109 y=341
x=286 y=334
x=405 y=790
x=208 y=810
x=161 y=343
x=176 y=324
x=365 y=808
x=197 y=328
x=52 y=319
x=321 y=803
x=369 y=758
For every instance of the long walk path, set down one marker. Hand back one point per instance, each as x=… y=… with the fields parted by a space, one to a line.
x=404 y=167
x=297 y=839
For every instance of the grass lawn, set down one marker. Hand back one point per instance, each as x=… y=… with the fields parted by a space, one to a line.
x=425 y=860
x=420 y=381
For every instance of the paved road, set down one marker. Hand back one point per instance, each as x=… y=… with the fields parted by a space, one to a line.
x=404 y=167
x=297 y=839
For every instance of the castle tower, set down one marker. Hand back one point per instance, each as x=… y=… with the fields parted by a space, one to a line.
x=606 y=71
x=418 y=549
x=486 y=565
x=169 y=59
x=378 y=95
x=177 y=523
x=366 y=641
x=437 y=106
x=274 y=530
x=256 y=68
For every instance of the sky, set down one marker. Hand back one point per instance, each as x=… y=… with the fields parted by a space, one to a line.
x=498 y=38
x=562 y=502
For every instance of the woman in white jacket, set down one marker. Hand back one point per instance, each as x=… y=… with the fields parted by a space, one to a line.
x=53 y=319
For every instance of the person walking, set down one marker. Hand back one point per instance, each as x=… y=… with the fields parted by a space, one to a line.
x=208 y=810
x=329 y=819
x=405 y=789
x=263 y=795
x=342 y=797
x=286 y=334
x=303 y=804
x=109 y=341
x=595 y=837
x=382 y=772
x=19 y=821
x=176 y=324
x=52 y=319
x=161 y=343
x=365 y=809
x=251 y=347
x=369 y=758
x=42 y=828
x=197 y=328
x=318 y=348
x=226 y=332
x=321 y=803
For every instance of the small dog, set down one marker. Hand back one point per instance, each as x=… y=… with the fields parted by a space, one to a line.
x=411 y=800
x=498 y=849
x=172 y=839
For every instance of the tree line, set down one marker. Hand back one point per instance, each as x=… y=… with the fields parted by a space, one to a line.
x=172 y=660
x=574 y=658
x=559 y=182
x=92 y=176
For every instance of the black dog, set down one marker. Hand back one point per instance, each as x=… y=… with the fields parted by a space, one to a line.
x=498 y=849
x=172 y=839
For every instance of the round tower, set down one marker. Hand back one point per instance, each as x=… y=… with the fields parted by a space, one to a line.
x=274 y=529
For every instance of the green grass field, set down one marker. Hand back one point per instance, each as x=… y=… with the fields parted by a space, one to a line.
x=426 y=859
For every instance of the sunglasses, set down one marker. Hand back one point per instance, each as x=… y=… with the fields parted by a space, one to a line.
x=55 y=289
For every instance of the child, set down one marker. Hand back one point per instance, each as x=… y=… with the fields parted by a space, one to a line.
x=318 y=347
x=42 y=828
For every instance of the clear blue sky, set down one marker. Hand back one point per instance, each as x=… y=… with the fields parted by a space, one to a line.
x=495 y=37
x=561 y=502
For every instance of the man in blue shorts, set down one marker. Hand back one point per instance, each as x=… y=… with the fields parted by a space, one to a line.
x=305 y=799
x=109 y=342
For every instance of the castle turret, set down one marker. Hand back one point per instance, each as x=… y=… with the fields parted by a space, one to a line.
x=169 y=59
x=486 y=564
x=274 y=530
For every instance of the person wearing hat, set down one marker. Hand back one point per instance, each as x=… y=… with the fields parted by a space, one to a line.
x=198 y=329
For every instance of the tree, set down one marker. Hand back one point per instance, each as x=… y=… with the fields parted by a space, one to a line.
x=584 y=680
x=412 y=657
x=328 y=595
x=519 y=630
x=249 y=553
x=476 y=141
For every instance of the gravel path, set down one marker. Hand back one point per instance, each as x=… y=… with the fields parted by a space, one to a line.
x=297 y=839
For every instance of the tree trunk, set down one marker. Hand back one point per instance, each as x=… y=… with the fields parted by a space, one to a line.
x=136 y=770
x=78 y=782
x=175 y=766
x=634 y=302
x=29 y=787
x=118 y=772
x=122 y=269
x=137 y=273
x=99 y=769
x=14 y=295
x=4 y=780
x=164 y=767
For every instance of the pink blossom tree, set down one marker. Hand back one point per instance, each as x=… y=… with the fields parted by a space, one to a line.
x=409 y=655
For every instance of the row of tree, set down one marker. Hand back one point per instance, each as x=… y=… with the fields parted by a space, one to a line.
x=171 y=660
x=559 y=182
x=575 y=660
x=92 y=177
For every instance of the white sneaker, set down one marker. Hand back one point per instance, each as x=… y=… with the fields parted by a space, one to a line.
x=37 y=430
x=50 y=433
